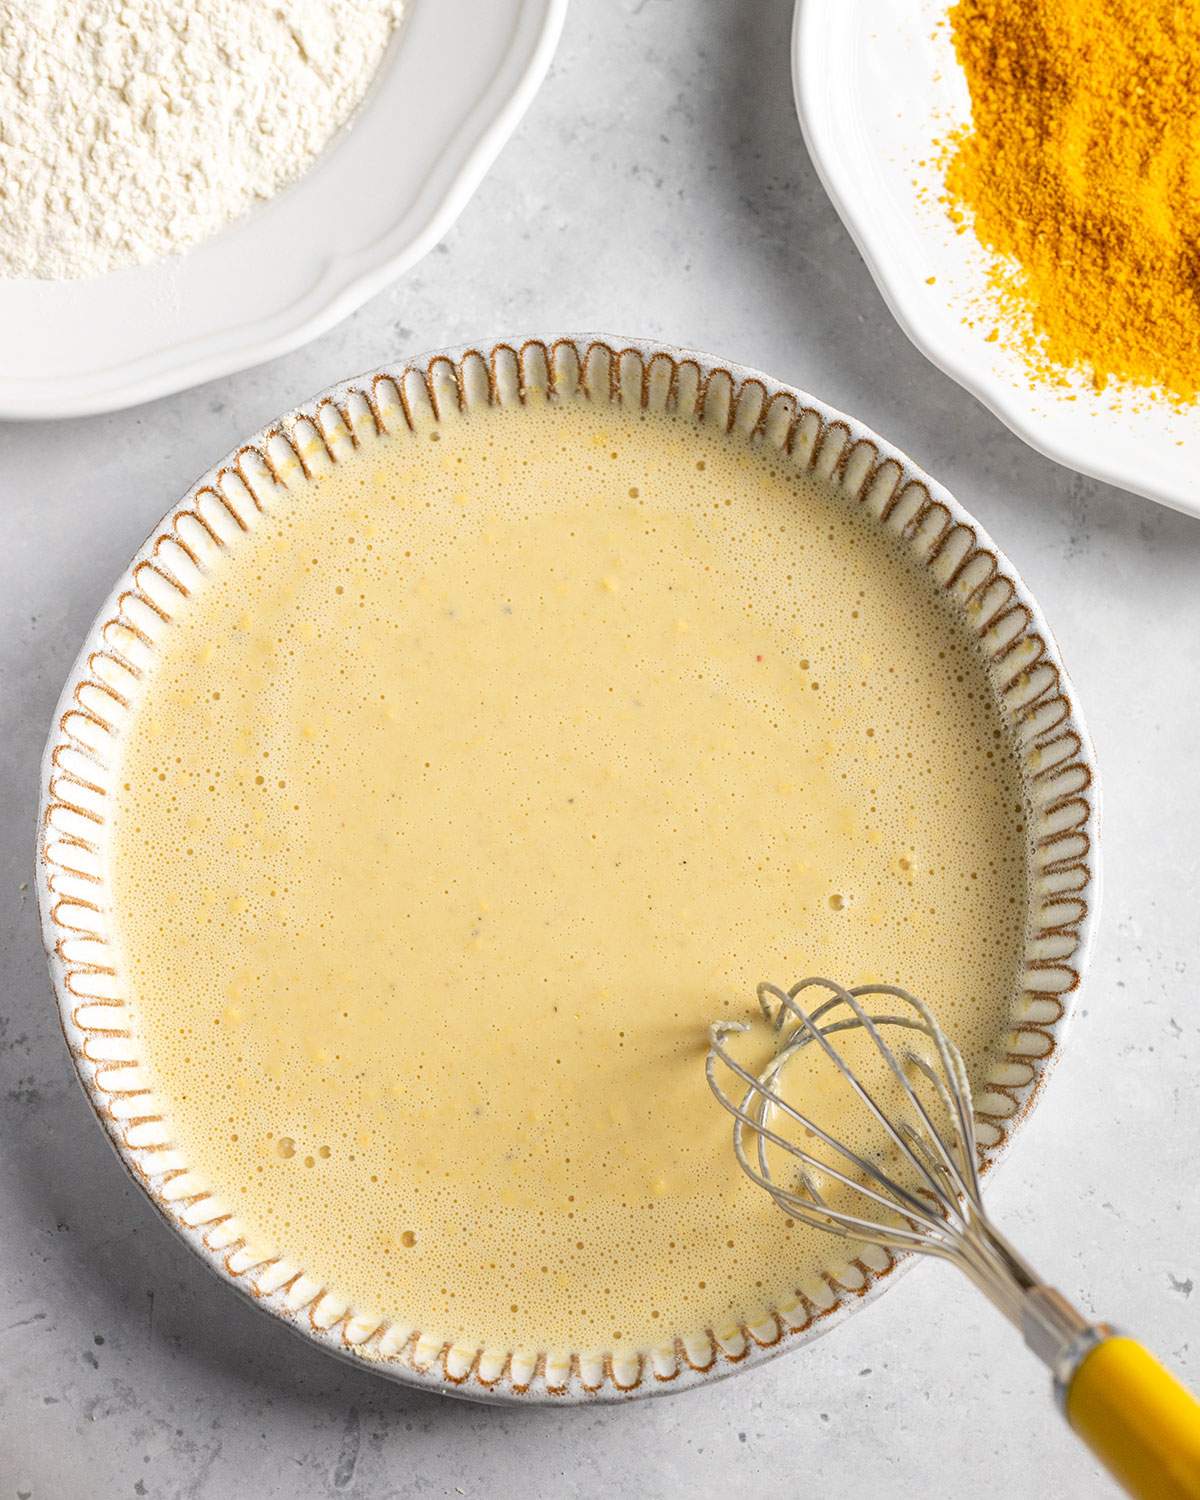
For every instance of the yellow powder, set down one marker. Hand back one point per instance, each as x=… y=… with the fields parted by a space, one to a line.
x=1082 y=172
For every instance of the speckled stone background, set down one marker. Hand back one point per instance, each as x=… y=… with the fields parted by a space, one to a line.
x=659 y=186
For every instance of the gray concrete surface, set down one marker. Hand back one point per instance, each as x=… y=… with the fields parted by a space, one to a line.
x=659 y=186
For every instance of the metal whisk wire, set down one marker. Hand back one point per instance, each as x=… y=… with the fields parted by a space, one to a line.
x=939 y=1211
x=930 y=1158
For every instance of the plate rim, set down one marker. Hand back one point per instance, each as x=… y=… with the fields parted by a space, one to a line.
x=951 y=358
x=322 y=307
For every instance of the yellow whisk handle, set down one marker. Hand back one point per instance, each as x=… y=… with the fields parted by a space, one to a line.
x=1138 y=1420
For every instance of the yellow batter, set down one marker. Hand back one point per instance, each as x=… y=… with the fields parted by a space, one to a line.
x=484 y=774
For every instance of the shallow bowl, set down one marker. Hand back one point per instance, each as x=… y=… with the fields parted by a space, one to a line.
x=454 y=83
x=277 y=464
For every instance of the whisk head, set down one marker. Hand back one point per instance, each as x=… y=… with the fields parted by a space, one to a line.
x=911 y=1182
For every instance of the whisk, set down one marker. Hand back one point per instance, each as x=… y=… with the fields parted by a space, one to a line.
x=916 y=1188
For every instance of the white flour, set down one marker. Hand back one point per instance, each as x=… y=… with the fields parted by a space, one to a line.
x=130 y=129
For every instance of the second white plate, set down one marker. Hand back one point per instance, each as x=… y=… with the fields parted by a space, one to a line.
x=451 y=89
x=875 y=81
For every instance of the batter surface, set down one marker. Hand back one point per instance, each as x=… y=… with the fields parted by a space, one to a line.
x=480 y=778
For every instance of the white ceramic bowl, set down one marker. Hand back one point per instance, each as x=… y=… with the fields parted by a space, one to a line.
x=270 y=470
x=454 y=83
x=875 y=81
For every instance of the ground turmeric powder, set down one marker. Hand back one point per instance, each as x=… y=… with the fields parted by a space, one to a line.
x=1081 y=171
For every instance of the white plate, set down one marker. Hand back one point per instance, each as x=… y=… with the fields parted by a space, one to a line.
x=451 y=89
x=874 y=83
